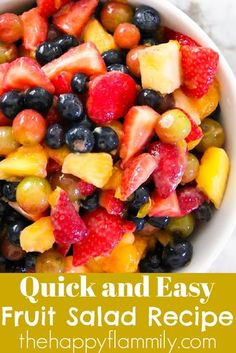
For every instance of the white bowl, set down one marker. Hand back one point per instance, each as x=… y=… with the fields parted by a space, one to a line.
x=211 y=239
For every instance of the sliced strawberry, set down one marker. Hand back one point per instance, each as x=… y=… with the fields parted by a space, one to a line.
x=84 y=58
x=110 y=203
x=171 y=165
x=62 y=83
x=199 y=67
x=104 y=233
x=73 y=17
x=137 y=171
x=110 y=97
x=138 y=128
x=183 y=39
x=168 y=207
x=85 y=189
x=35 y=29
x=190 y=198
x=63 y=249
x=48 y=7
x=25 y=73
x=68 y=227
x=196 y=132
x=3 y=70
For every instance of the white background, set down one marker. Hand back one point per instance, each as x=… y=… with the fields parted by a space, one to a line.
x=218 y=19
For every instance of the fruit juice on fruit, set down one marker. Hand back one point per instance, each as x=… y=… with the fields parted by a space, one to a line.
x=111 y=149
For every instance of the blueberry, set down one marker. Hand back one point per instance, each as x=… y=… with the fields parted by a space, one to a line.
x=106 y=139
x=15 y=266
x=112 y=57
x=147 y=19
x=66 y=42
x=152 y=262
x=47 y=52
x=139 y=222
x=38 y=99
x=80 y=139
x=11 y=103
x=70 y=107
x=118 y=67
x=140 y=197
x=91 y=202
x=149 y=41
x=9 y=191
x=12 y=216
x=79 y=83
x=14 y=230
x=203 y=213
x=177 y=254
x=149 y=97
x=167 y=102
x=3 y=207
x=55 y=136
x=159 y=222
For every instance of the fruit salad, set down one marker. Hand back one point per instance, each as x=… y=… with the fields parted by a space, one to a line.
x=111 y=145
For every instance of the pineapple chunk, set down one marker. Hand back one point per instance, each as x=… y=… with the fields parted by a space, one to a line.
x=213 y=173
x=115 y=180
x=160 y=67
x=57 y=155
x=187 y=104
x=38 y=236
x=25 y=161
x=94 y=168
x=95 y=33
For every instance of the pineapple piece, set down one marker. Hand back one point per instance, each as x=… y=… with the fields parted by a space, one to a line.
x=95 y=33
x=38 y=236
x=57 y=155
x=187 y=104
x=213 y=174
x=115 y=180
x=94 y=168
x=25 y=161
x=160 y=67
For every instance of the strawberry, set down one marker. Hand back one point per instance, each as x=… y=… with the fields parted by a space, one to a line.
x=25 y=73
x=104 y=233
x=68 y=227
x=62 y=83
x=35 y=29
x=138 y=128
x=110 y=203
x=85 y=189
x=137 y=171
x=199 y=67
x=190 y=198
x=84 y=58
x=171 y=165
x=168 y=207
x=110 y=97
x=48 y=7
x=195 y=135
x=183 y=39
x=3 y=70
x=73 y=17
